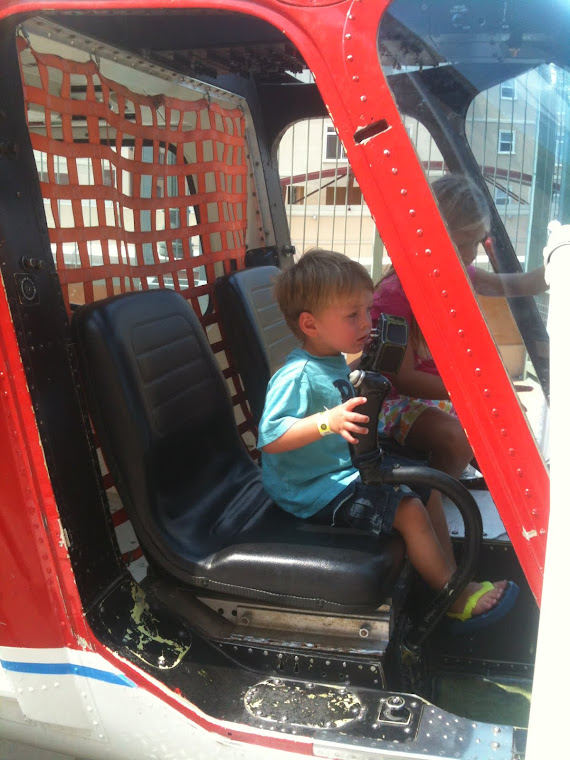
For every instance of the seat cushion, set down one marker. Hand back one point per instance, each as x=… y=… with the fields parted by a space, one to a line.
x=292 y=562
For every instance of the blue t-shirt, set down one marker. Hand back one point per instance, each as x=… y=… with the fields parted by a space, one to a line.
x=305 y=480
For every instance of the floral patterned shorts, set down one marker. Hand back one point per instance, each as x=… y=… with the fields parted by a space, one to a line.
x=400 y=412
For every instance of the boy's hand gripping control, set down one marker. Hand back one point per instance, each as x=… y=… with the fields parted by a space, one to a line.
x=366 y=454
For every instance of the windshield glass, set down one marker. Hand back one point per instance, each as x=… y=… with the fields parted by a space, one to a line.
x=483 y=90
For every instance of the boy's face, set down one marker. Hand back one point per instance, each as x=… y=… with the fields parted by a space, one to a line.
x=342 y=327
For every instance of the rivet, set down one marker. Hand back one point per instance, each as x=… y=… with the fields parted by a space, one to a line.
x=477 y=371
x=520 y=473
x=495 y=412
x=394 y=170
x=512 y=452
x=412 y=212
x=452 y=313
x=436 y=272
x=487 y=392
x=403 y=191
x=363 y=98
x=349 y=57
x=444 y=293
x=356 y=78
x=528 y=492
x=534 y=512
x=348 y=36
x=420 y=233
x=386 y=152
x=427 y=251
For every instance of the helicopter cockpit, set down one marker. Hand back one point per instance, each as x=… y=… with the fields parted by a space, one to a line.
x=146 y=149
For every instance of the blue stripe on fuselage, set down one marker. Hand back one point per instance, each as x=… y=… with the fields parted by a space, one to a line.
x=65 y=669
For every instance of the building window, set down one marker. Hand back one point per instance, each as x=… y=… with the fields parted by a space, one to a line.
x=336 y=196
x=506 y=141
x=294 y=194
x=109 y=177
x=500 y=196
x=508 y=91
x=559 y=150
x=334 y=150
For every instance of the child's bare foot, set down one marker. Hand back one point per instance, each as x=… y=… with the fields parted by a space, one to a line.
x=485 y=602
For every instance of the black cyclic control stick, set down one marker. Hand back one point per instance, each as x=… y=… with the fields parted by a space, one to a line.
x=366 y=454
x=384 y=353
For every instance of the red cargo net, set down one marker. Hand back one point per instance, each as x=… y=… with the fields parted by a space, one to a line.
x=139 y=191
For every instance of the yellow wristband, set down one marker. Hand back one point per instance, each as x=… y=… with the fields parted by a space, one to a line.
x=323 y=423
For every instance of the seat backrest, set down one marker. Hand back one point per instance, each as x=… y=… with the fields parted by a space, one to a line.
x=257 y=333
x=164 y=417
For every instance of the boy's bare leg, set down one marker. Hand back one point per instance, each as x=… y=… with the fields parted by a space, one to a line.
x=422 y=544
x=429 y=557
x=438 y=520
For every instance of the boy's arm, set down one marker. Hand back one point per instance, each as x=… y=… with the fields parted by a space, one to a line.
x=342 y=420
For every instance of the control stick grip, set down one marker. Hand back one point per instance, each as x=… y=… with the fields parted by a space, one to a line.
x=366 y=454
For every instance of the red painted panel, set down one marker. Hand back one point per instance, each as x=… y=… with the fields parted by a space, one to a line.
x=34 y=568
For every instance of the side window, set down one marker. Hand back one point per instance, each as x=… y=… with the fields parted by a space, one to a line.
x=500 y=119
x=323 y=201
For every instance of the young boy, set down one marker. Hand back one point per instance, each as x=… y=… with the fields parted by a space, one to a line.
x=311 y=413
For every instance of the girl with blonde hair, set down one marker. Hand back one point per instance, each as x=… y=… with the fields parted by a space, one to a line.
x=418 y=412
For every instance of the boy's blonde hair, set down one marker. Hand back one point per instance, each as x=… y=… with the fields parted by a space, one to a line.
x=315 y=281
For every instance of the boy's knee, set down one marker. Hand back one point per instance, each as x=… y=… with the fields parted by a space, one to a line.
x=410 y=510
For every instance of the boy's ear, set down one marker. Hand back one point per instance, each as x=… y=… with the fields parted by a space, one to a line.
x=307 y=323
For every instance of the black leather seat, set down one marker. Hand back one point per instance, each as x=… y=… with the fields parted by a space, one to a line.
x=256 y=331
x=164 y=418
